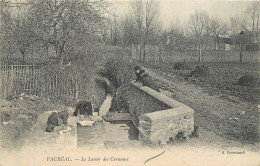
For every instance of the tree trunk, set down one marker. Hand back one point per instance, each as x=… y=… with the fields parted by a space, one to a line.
x=216 y=44
x=257 y=24
x=23 y=55
x=144 y=52
x=253 y=19
x=199 y=50
x=61 y=53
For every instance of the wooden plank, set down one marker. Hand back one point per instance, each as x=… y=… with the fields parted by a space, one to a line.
x=10 y=84
x=4 y=82
x=30 y=83
x=37 y=79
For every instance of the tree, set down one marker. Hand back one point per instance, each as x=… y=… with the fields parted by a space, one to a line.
x=104 y=29
x=7 y=46
x=238 y=24
x=216 y=28
x=15 y=31
x=253 y=11
x=198 y=27
x=175 y=37
x=137 y=14
x=114 y=30
x=151 y=14
x=129 y=31
x=144 y=14
x=66 y=23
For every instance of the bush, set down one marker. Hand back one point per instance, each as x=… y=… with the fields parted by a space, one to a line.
x=69 y=84
x=119 y=71
x=181 y=66
x=200 y=71
x=250 y=80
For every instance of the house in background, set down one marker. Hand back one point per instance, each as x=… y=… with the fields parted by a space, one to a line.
x=225 y=43
x=250 y=40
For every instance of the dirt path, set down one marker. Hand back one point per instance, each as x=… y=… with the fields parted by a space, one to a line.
x=218 y=118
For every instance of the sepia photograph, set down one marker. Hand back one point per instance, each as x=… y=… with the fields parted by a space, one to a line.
x=129 y=82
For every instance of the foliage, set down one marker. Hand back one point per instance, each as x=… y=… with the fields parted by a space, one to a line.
x=181 y=66
x=119 y=70
x=141 y=24
x=65 y=24
x=249 y=79
x=253 y=12
x=75 y=81
x=45 y=25
x=200 y=71
x=16 y=32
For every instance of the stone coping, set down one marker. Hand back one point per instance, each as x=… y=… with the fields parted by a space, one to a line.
x=178 y=109
x=173 y=113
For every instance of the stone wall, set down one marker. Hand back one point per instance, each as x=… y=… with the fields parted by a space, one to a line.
x=133 y=100
x=141 y=103
x=158 y=117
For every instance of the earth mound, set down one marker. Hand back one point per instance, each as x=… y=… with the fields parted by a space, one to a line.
x=249 y=80
x=181 y=66
x=200 y=71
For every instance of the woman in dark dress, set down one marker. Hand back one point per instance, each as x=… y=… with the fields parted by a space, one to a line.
x=57 y=119
x=147 y=80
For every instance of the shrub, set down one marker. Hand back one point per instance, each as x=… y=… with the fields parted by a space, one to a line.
x=200 y=71
x=65 y=84
x=181 y=66
x=119 y=71
x=249 y=79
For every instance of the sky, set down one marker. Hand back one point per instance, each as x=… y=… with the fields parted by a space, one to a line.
x=170 y=10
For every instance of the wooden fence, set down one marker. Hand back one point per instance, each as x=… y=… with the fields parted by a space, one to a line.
x=26 y=75
x=31 y=80
x=153 y=55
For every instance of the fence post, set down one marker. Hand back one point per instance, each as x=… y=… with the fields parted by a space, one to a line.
x=11 y=83
x=1 y=77
x=77 y=87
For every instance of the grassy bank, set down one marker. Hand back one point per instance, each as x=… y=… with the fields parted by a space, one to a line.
x=18 y=117
x=57 y=87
